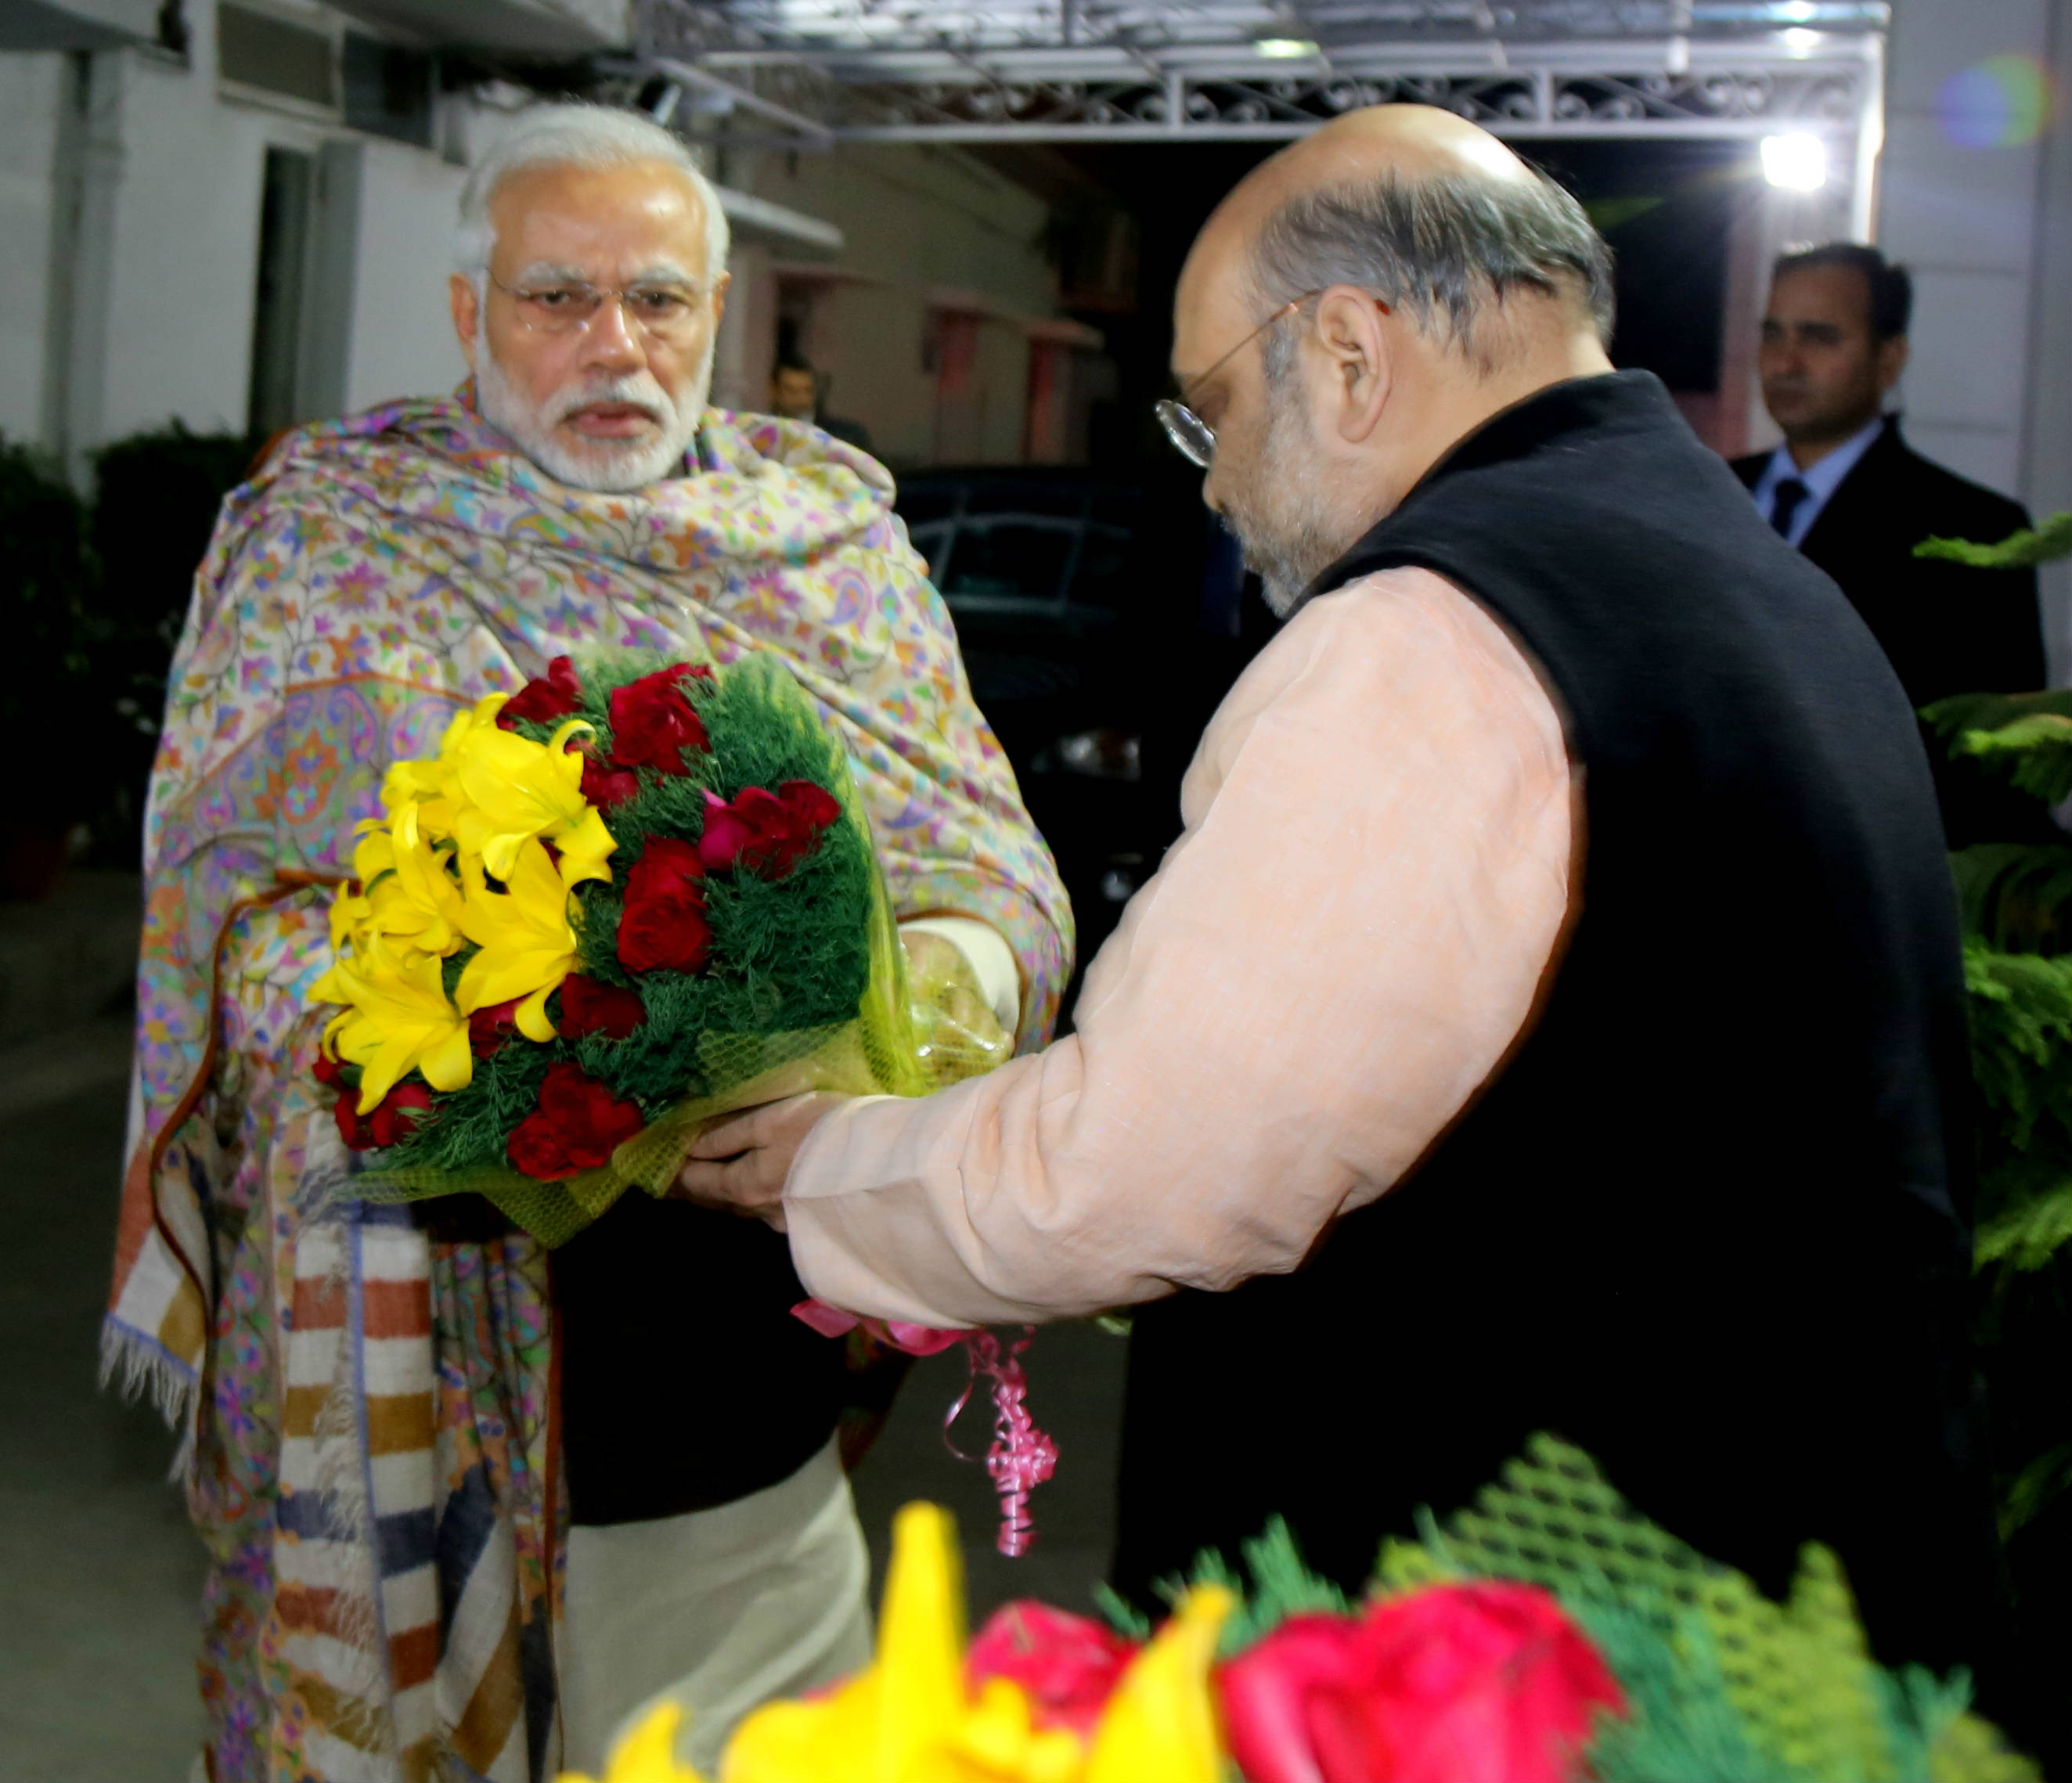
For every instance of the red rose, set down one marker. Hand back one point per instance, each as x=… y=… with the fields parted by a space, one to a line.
x=1068 y=1665
x=605 y=785
x=393 y=1116
x=664 y=922
x=767 y=832
x=488 y=1028
x=578 y=1125
x=652 y=723
x=556 y=694
x=328 y=1071
x=1469 y=1683
x=591 y=1008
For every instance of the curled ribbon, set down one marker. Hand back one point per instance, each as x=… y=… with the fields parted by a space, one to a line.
x=1021 y=1457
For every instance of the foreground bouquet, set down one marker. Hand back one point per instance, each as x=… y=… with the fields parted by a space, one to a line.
x=1548 y=1634
x=623 y=900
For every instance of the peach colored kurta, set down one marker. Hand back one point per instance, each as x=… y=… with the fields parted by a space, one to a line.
x=1342 y=946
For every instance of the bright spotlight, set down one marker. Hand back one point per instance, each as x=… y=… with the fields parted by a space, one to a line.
x=1798 y=12
x=1284 y=49
x=1798 y=163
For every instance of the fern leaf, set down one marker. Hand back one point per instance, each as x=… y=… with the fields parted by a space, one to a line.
x=2020 y=550
x=2029 y=1233
x=2035 y=752
x=2014 y=894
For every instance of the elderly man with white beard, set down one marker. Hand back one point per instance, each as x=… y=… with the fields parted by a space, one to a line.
x=468 y=1506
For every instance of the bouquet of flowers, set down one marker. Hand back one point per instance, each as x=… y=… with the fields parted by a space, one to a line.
x=1548 y=1634
x=618 y=902
x=626 y=898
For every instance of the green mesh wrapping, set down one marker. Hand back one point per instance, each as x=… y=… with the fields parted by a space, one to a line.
x=1796 y=1681
x=792 y=950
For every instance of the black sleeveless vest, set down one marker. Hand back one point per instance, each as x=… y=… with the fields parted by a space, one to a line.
x=1710 y=1221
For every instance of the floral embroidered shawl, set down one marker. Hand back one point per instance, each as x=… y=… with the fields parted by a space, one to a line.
x=366 y=1406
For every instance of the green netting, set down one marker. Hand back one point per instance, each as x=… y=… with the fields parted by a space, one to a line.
x=1803 y=1692
x=790 y=952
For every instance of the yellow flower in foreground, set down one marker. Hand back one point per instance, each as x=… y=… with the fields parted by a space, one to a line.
x=513 y=789
x=907 y=1718
x=528 y=943
x=648 y=1754
x=399 y=1019
x=1160 y=1726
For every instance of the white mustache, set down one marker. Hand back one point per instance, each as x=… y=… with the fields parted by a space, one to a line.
x=641 y=390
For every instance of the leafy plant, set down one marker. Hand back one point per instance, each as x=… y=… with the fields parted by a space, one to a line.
x=2017 y=904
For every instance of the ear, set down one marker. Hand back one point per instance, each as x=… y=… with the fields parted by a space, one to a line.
x=1892 y=357
x=1353 y=331
x=719 y=299
x=466 y=313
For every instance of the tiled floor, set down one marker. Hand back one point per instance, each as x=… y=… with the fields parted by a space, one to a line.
x=99 y=1572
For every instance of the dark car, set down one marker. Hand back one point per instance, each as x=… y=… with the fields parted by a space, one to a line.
x=1079 y=603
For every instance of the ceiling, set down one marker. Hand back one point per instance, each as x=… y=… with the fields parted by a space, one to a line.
x=1116 y=70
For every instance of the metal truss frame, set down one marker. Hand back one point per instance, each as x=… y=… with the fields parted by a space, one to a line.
x=1117 y=71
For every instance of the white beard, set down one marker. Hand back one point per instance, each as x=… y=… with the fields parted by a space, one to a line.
x=608 y=467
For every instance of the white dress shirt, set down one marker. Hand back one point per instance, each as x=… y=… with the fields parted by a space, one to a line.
x=1822 y=479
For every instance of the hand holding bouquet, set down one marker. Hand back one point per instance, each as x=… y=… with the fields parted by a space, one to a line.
x=620 y=901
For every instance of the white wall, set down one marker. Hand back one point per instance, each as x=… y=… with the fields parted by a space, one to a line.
x=1985 y=232
x=403 y=340
x=186 y=247
x=30 y=89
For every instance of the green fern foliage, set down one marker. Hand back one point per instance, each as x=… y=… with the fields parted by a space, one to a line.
x=2026 y=737
x=2016 y=897
x=2022 y=550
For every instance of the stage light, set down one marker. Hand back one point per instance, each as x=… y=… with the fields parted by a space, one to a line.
x=1798 y=163
x=1284 y=49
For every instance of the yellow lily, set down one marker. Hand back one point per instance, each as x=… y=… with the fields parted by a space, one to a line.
x=399 y=1019
x=514 y=789
x=648 y=1754
x=528 y=943
x=1160 y=1726
x=413 y=897
x=907 y=1718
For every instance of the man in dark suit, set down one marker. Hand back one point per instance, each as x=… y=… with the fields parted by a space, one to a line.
x=1852 y=496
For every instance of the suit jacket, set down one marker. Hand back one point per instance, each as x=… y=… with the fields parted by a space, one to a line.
x=1946 y=629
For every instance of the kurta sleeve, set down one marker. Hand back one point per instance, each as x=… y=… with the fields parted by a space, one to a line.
x=1345 y=941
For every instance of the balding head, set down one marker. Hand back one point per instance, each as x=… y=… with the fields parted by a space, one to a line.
x=1399 y=260
x=1424 y=210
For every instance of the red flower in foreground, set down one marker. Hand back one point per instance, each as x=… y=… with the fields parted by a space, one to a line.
x=393 y=1116
x=488 y=1028
x=588 y=1007
x=578 y=1125
x=767 y=832
x=1470 y=1683
x=653 y=723
x=556 y=694
x=1069 y=1665
x=664 y=923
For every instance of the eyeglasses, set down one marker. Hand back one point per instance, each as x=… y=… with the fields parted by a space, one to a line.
x=1191 y=436
x=663 y=312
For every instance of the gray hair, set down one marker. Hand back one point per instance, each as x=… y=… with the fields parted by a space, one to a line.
x=1441 y=246
x=576 y=136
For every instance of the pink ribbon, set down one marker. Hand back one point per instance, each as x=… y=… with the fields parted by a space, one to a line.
x=1021 y=1457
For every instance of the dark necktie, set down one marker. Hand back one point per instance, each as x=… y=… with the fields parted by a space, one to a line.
x=1784 y=502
